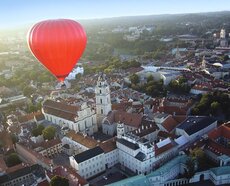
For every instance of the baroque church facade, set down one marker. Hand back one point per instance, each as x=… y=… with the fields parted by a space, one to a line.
x=81 y=117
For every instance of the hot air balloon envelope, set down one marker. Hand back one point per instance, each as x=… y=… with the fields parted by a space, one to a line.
x=58 y=45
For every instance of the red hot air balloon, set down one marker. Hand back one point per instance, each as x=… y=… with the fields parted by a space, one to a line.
x=58 y=45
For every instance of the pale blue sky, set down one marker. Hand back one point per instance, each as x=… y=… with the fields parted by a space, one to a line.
x=20 y=12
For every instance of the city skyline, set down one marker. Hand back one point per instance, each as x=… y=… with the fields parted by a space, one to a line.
x=18 y=13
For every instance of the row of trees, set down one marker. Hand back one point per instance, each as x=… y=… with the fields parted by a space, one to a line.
x=216 y=104
x=110 y=65
x=48 y=132
x=179 y=86
x=152 y=88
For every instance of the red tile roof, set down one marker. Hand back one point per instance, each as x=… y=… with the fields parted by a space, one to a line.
x=170 y=123
x=131 y=119
x=145 y=129
x=213 y=145
x=217 y=148
x=121 y=106
x=47 y=144
x=60 y=109
x=223 y=131
x=26 y=118
x=84 y=140
x=163 y=135
x=69 y=173
x=108 y=145
x=163 y=149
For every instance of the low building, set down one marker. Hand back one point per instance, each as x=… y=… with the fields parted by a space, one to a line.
x=218 y=143
x=131 y=121
x=89 y=163
x=68 y=173
x=48 y=148
x=194 y=127
x=79 y=142
x=220 y=175
x=27 y=176
x=111 y=152
x=141 y=156
x=32 y=157
x=160 y=176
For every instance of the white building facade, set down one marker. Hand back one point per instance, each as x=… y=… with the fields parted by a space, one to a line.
x=89 y=163
x=78 y=118
x=141 y=156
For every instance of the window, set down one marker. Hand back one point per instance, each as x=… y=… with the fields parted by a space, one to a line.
x=101 y=101
x=101 y=111
x=100 y=91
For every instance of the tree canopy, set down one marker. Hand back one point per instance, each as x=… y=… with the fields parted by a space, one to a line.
x=179 y=86
x=49 y=132
x=38 y=130
x=59 y=181
x=214 y=104
x=12 y=160
x=198 y=155
x=190 y=168
x=134 y=78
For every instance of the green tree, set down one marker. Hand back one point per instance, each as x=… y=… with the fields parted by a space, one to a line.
x=38 y=130
x=134 y=78
x=59 y=181
x=49 y=132
x=12 y=160
x=190 y=171
x=198 y=155
x=215 y=106
x=150 y=78
x=27 y=91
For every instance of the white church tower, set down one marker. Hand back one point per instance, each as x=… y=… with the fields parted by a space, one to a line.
x=120 y=130
x=103 y=101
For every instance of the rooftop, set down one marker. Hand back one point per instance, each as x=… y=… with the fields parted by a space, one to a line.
x=88 y=154
x=69 y=173
x=170 y=124
x=131 y=119
x=218 y=171
x=140 y=156
x=108 y=145
x=194 y=124
x=169 y=165
x=60 y=109
x=133 y=181
x=35 y=169
x=47 y=144
x=80 y=138
x=128 y=144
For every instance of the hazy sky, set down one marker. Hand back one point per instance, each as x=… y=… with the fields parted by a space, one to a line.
x=20 y=12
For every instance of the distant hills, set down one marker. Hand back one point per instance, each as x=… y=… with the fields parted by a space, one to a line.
x=222 y=17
